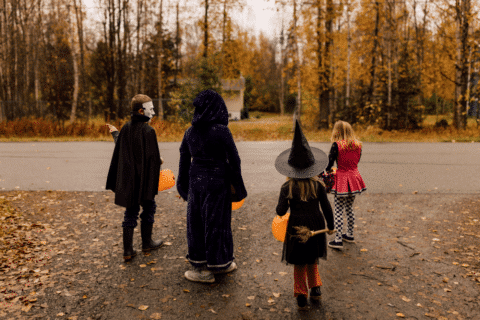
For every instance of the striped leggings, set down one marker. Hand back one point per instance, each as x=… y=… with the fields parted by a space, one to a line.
x=344 y=202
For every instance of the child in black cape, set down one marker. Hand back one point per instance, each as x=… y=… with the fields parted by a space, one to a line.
x=134 y=174
x=304 y=194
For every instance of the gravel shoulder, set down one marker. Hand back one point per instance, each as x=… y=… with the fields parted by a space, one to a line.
x=416 y=257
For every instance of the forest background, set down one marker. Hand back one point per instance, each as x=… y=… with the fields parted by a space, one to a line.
x=389 y=67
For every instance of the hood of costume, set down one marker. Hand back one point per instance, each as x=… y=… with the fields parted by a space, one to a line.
x=209 y=109
x=135 y=167
x=210 y=144
x=301 y=161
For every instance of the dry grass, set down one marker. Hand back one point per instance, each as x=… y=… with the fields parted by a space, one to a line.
x=261 y=127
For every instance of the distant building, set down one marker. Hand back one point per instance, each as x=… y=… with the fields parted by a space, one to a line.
x=233 y=90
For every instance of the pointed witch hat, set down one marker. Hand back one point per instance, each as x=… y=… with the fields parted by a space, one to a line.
x=301 y=161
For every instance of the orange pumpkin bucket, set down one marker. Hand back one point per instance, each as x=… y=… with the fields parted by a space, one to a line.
x=167 y=180
x=279 y=226
x=237 y=205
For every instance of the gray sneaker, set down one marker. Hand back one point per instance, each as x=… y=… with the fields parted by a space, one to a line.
x=232 y=267
x=199 y=275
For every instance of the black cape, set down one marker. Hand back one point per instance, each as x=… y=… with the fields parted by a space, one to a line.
x=135 y=167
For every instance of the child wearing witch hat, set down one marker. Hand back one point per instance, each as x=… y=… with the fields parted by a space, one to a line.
x=304 y=194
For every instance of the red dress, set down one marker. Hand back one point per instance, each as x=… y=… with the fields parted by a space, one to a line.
x=348 y=179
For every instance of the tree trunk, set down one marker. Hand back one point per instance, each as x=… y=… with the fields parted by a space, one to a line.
x=349 y=53
x=282 y=89
x=296 y=112
x=463 y=8
x=177 y=47
x=373 y=73
x=205 y=37
x=326 y=87
x=160 y=54
x=76 y=73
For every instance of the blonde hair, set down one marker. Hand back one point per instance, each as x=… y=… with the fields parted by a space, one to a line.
x=343 y=131
x=307 y=187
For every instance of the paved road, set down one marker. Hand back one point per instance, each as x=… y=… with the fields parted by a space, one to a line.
x=385 y=167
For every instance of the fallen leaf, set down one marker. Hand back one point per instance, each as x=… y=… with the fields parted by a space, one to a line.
x=401 y=315
x=276 y=295
x=212 y=311
x=143 y=308
x=225 y=295
x=248 y=305
x=143 y=265
x=186 y=290
x=286 y=310
x=26 y=308
x=85 y=296
x=251 y=297
x=156 y=316
x=363 y=250
x=283 y=273
x=61 y=314
x=406 y=299
x=271 y=300
x=168 y=243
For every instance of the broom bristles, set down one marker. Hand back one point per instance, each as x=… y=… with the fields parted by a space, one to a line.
x=303 y=233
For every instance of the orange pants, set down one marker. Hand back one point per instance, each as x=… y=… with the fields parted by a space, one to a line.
x=300 y=274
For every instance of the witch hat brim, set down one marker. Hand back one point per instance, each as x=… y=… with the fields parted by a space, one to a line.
x=301 y=161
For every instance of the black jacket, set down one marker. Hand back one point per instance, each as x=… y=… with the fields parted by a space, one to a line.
x=308 y=214
x=135 y=167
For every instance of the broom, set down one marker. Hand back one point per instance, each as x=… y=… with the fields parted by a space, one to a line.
x=304 y=233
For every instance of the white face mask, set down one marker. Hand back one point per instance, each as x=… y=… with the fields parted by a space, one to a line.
x=148 y=109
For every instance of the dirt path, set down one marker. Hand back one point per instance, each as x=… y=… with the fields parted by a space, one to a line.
x=416 y=257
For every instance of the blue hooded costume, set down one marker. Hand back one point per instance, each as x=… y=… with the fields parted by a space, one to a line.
x=209 y=171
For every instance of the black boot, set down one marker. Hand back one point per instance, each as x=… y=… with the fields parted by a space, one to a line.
x=147 y=242
x=128 y=252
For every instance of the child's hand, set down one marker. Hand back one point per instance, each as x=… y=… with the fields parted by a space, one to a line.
x=111 y=128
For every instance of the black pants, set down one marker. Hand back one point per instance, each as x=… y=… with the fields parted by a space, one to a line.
x=131 y=214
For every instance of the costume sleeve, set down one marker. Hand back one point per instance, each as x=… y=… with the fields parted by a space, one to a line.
x=235 y=165
x=332 y=156
x=115 y=136
x=184 y=169
x=326 y=207
x=283 y=205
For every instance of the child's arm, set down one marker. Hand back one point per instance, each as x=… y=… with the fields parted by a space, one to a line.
x=326 y=207
x=283 y=205
x=332 y=156
x=183 y=170
x=113 y=131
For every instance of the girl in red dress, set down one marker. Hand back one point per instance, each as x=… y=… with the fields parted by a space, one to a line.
x=346 y=150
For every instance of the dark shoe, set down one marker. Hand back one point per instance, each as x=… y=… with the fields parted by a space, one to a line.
x=128 y=252
x=315 y=293
x=335 y=245
x=302 y=302
x=147 y=242
x=348 y=239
